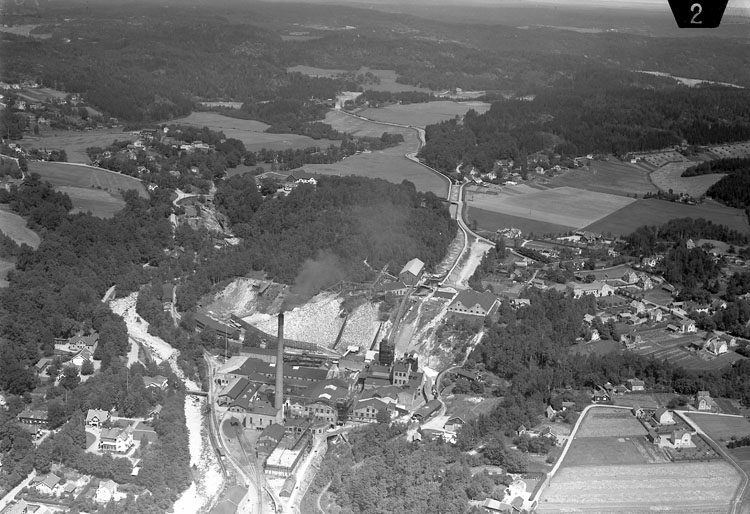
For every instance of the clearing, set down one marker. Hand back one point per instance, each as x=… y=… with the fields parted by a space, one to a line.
x=387 y=78
x=423 y=114
x=653 y=211
x=389 y=164
x=75 y=142
x=668 y=177
x=613 y=176
x=610 y=423
x=73 y=175
x=99 y=203
x=14 y=226
x=704 y=487
x=252 y=133
x=567 y=206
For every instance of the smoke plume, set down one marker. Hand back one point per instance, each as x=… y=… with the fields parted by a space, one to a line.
x=315 y=275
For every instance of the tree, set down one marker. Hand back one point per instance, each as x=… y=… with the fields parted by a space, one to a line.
x=70 y=377
x=383 y=416
x=87 y=368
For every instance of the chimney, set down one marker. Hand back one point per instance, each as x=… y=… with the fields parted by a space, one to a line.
x=279 y=403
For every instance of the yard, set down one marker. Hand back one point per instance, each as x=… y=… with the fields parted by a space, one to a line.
x=653 y=211
x=602 y=422
x=566 y=206
x=668 y=177
x=704 y=487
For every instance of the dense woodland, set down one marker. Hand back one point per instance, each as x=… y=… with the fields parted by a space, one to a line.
x=732 y=189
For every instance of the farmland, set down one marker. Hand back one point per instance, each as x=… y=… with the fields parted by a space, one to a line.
x=659 y=344
x=567 y=206
x=619 y=451
x=75 y=142
x=704 y=487
x=602 y=422
x=653 y=211
x=491 y=221
x=14 y=226
x=423 y=114
x=389 y=164
x=387 y=78
x=721 y=428
x=668 y=177
x=251 y=132
x=100 y=203
x=613 y=177
x=61 y=174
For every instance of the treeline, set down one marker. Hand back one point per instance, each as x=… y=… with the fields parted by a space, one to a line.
x=594 y=111
x=335 y=226
x=647 y=240
x=55 y=291
x=733 y=190
x=724 y=165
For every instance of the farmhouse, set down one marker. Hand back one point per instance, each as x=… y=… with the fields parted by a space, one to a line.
x=688 y=326
x=635 y=384
x=95 y=417
x=118 y=440
x=412 y=272
x=595 y=288
x=664 y=417
x=471 y=303
x=681 y=439
x=704 y=402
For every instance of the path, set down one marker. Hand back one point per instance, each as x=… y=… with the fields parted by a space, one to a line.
x=11 y=495
x=320 y=496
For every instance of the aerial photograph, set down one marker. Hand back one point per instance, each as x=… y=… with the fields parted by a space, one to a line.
x=374 y=257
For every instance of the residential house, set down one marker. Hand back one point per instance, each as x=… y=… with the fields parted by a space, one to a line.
x=81 y=342
x=655 y=315
x=588 y=319
x=411 y=272
x=48 y=484
x=400 y=373
x=453 y=424
x=631 y=340
x=117 y=440
x=81 y=357
x=638 y=411
x=654 y=437
x=716 y=346
x=704 y=402
x=595 y=288
x=681 y=439
x=663 y=416
x=37 y=418
x=687 y=326
x=600 y=396
x=520 y=302
x=636 y=384
x=41 y=366
x=491 y=505
x=156 y=382
x=95 y=417
x=471 y=303
x=550 y=412
x=107 y=492
x=637 y=307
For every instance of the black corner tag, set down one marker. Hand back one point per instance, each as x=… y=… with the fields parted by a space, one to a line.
x=698 y=14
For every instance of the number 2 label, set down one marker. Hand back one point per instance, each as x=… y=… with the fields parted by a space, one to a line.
x=697 y=9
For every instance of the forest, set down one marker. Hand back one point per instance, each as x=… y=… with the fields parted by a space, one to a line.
x=595 y=111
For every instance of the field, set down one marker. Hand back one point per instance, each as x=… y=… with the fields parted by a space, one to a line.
x=653 y=211
x=75 y=142
x=61 y=174
x=669 y=177
x=14 y=226
x=389 y=164
x=619 y=451
x=100 y=203
x=423 y=114
x=721 y=428
x=704 y=487
x=602 y=422
x=659 y=344
x=387 y=78
x=251 y=132
x=566 y=206
x=613 y=176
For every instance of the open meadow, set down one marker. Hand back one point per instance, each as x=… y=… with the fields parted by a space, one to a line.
x=721 y=428
x=14 y=226
x=423 y=114
x=602 y=422
x=705 y=487
x=668 y=177
x=96 y=201
x=73 y=175
x=613 y=176
x=251 y=132
x=566 y=206
x=387 y=78
x=654 y=212
x=389 y=164
x=75 y=142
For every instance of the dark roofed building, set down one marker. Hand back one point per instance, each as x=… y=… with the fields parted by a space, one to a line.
x=205 y=322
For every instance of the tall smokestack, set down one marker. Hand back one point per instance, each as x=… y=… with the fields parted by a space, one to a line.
x=279 y=404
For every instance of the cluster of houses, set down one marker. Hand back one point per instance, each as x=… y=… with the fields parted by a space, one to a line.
x=287 y=181
x=663 y=430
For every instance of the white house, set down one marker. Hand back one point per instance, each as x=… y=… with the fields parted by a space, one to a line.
x=95 y=417
x=118 y=440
